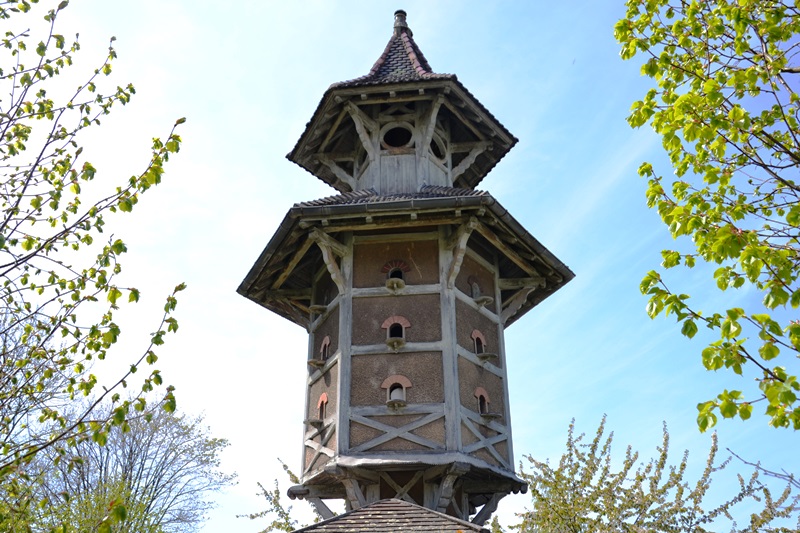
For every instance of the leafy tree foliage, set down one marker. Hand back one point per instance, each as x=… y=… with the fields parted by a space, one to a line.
x=58 y=294
x=725 y=103
x=276 y=510
x=162 y=471
x=586 y=492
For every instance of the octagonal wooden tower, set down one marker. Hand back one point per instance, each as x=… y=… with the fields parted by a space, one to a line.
x=405 y=281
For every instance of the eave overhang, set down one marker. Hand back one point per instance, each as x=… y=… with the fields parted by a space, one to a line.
x=281 y=278
x=332 y=114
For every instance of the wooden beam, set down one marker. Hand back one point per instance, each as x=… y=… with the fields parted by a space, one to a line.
x=514 y=304
x=337 y=171
x=458 y=241
x=333 y=129
x=288 y=294
x=506 y=250
x=298 y=255
x=431 y=118
x=458 y=148
x=320 y=236
x=535 y=282
x=354 y=493
x=322 y=509
x=467 y=161
x=364 y=123
x=468 y=123
x=488 y=508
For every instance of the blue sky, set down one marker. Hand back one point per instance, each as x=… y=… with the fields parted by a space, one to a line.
x=248 y=75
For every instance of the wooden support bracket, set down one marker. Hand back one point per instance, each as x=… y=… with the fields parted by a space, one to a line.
x=488 y=508
x=470 y=158
x=458 y=242
x=338 y=171
x=363 y=123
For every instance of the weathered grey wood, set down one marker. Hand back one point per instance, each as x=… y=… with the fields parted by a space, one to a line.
x=458 y=243
x=338 y=171
x=521 y=283
x=363 y=123
x=410 y=347
x=322 y=509
x=515 y=304
x=332 y=130
x=410 y=409
x=485 y=443
x=501 y=351
x=298 y=255
x=459 y=148
x=345 y=343
x=320 y=236
x=290 y=294
x=369 y=292
x=487 y=510
x=397 y=237
x=391 y=432
x=508 y=252
x=354 y=494
x=449 y=357
x=468 y=123
x=467 y=162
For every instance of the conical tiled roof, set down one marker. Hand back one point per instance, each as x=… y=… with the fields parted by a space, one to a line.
x=401 y=61
x=392 y=516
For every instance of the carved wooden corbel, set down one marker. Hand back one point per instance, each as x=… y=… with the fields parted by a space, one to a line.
x=330 y=247
x=458 y=242
x=364 y=123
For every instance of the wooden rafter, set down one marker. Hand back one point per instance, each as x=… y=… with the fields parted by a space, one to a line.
x=533 y=282
x=506 y=250
x=333 y=129
x=287 y=271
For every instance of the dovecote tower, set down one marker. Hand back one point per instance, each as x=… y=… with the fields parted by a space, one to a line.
x=405 y=280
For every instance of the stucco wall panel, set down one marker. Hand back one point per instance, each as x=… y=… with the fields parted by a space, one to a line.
x=421 y=310
x=421 y=256
x=423 y=369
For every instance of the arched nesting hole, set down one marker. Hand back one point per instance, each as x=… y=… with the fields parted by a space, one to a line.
x=398 y=137
x=479 y=349
x=396 y=273
x=483 y=400
x=322 y=406
x=397 y=392
x=396 y=331
x=396 y=388
x=479 y=342
x=324 y=349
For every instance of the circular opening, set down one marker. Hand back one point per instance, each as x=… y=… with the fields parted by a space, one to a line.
x=397 y=137
x=436 y=148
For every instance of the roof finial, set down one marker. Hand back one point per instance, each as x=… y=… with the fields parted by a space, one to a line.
x=400 y=23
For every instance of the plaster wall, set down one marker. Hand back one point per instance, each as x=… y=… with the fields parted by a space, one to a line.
x=421 y=256
x=422 y=311
x=423 y=369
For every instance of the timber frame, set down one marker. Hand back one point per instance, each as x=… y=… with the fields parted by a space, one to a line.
x=280 y=280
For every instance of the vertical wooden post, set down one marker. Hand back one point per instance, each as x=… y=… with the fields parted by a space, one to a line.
x=345 y=346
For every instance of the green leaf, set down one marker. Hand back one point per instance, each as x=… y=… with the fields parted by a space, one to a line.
x=689 y=328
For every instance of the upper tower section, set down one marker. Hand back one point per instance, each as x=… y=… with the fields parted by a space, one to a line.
x=401 y=127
